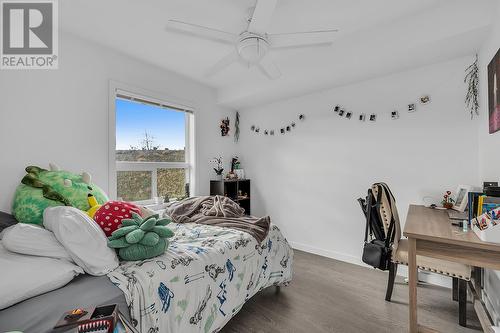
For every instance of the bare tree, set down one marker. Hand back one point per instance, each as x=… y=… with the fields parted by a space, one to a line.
x=147 y=143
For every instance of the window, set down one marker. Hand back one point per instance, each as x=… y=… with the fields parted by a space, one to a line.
x=152 y=155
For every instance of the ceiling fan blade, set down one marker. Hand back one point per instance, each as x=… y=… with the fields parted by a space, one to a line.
x=261 y=16
x=223 y=63
x=269 y=68
x=299 y=39
x=201 y=31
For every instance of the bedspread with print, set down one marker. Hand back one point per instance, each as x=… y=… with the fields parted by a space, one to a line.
x=203 y=279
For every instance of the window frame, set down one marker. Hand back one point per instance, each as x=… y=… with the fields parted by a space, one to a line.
x=117 y=88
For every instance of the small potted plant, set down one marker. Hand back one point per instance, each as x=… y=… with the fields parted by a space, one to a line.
x=217 y=161
x=447 y=200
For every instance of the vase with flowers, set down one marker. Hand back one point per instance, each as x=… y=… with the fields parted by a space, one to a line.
x=218 y=162
x=448 y=201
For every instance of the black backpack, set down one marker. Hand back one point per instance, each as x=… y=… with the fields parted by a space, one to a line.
x=377 y=250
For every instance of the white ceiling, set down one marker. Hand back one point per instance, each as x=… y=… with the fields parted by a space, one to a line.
x=375 y=38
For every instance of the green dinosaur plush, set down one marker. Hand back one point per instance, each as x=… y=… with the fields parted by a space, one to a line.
x=42 y=188
x=139 y=239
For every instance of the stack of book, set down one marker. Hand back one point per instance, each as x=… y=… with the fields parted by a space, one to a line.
x=480 y=203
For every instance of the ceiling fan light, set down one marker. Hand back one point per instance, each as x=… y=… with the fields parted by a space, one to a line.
x=252 y=49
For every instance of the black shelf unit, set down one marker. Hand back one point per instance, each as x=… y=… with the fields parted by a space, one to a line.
x=237 y=190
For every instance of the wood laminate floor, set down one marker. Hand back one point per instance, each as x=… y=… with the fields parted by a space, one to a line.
x=327 y=295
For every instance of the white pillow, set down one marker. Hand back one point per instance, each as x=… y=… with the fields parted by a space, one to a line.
x=84 y=240
x=27 y=276
x=33 y=240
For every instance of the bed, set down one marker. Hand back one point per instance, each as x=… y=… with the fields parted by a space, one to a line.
x=198 y=285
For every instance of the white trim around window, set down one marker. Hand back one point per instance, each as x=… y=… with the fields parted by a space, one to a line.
x=117 y=88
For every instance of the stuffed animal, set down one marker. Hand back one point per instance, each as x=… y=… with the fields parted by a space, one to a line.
x=94 y=205
x=41 y=188
x=109 y=216
x=139 y=239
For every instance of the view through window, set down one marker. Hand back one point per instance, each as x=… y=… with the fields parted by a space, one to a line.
x=151 y=150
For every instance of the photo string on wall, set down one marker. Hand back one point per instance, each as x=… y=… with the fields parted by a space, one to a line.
x=394 y=114
x=471 y=80
x=286 y=128
x=372 y=117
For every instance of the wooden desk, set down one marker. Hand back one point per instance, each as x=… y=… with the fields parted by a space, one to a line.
x=430 y=233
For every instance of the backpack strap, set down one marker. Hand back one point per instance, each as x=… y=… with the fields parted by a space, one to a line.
x=368 y=214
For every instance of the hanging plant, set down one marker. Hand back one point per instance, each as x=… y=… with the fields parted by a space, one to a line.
x=472 y=96
x=237 y=127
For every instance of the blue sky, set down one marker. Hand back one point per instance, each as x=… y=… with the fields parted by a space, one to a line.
x=132 y=118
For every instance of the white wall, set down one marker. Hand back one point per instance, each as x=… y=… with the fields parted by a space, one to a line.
x=308 y=181
x=489 y=163
x=62 y=115
x=489 y=159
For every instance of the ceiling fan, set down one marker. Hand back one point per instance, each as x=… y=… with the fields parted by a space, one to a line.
x=252 y=46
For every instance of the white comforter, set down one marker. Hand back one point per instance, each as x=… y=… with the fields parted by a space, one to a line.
x=203 y=279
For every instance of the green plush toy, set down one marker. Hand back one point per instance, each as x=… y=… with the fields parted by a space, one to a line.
x=42 y=188
x=139 y=239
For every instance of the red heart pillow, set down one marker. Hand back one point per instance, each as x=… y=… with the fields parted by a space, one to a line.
x=109 y=217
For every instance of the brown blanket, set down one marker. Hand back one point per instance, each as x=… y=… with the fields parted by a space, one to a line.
x=219 y=211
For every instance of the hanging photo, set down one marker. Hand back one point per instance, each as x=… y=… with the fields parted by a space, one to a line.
x=348 y=115
x=283 y=130
x=373 y=117
x=362 y=117
x=394 y=115
x=412 y=107
x=425 y=99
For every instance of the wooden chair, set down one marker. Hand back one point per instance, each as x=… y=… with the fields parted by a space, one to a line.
x=460 y=273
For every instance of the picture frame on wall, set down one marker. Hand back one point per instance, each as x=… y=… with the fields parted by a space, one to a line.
x=494 y=93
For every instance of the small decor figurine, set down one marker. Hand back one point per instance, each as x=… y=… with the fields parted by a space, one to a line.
x=224 y=127
x=235 y=163
x=231 y=175
x=218 y=169
x=447 y=200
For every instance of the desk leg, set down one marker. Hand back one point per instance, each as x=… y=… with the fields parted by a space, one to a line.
x=412 y=284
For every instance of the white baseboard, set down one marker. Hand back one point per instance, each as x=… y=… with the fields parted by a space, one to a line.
x=426 y=277
x=328 y=254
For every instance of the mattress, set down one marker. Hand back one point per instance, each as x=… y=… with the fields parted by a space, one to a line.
x=39 y=314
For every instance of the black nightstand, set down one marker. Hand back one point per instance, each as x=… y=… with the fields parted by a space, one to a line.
x=237 y=190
